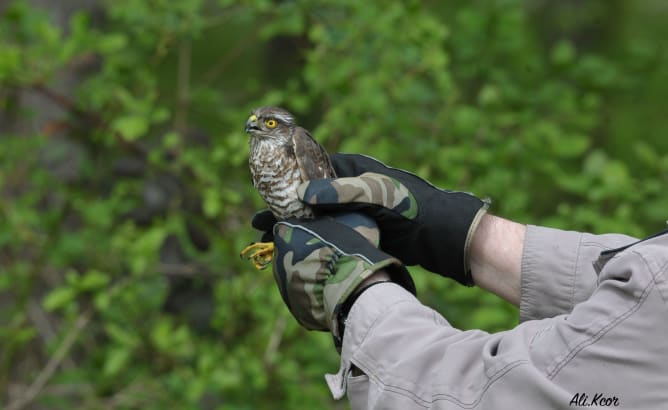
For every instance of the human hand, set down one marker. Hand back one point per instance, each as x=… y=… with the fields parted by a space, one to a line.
x=319 y=264
x=420 y=224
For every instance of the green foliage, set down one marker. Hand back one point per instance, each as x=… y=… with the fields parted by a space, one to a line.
x=126 y=196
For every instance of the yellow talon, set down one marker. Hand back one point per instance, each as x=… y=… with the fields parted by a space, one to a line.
x=262 y=253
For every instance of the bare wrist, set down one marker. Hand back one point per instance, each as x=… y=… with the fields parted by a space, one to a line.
x=496 y=254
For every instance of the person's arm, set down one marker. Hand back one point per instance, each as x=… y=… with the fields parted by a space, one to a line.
x=557 y=263
x=545 y=271
x=447 y=232
x=398 y=353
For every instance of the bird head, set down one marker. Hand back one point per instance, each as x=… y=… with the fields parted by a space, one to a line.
x=270 y=122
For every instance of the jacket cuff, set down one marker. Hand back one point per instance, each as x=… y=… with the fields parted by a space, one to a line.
x=548 y=275
x=372 y=305
x=558 y=271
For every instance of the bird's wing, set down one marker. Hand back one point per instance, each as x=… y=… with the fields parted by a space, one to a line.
x=312 y=158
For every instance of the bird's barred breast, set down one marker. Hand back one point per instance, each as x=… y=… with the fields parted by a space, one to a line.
x=276 y=178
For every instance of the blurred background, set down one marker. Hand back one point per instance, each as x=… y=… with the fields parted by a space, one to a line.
x=126 y=196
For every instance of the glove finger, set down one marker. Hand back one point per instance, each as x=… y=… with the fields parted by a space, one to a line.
x=263 y=221
x=267 y=236
x=296 y=252
x=362 y=224
x=352 y=165
x=350 y=234
x=369 y=188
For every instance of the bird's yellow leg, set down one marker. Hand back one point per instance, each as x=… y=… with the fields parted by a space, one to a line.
x=259 y=253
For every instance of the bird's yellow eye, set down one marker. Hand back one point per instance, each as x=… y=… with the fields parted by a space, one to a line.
x=271 y=123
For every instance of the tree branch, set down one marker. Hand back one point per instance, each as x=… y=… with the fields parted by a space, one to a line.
x=94 y=117
x=275 y=340
x=52 y=365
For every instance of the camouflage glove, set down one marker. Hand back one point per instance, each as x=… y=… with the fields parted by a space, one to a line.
x=319 y=263
x=419 y=223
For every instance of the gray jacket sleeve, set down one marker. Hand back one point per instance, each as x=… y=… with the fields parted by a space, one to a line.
x=558 y=271
x=605 y=346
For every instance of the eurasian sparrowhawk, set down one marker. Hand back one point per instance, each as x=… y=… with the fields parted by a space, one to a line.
x=282 y=156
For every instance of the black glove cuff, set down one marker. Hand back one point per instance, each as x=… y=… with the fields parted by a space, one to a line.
x=463 y=212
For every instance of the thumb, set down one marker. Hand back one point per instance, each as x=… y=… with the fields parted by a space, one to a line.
x=355 y=193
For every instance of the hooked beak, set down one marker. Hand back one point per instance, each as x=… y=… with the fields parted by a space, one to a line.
x=251 y=124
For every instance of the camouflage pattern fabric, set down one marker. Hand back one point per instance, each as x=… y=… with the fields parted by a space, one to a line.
x=318 y=263
x=369 y=188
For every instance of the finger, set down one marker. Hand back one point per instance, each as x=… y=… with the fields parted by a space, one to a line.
x=362 y=224
x=352 y=165
x=263 y=220
x=369 y=189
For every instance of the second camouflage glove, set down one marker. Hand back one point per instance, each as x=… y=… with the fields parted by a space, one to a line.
x=320 y=263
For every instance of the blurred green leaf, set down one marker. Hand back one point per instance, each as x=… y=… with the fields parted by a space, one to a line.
x=93 y=280
x=116 y=359
x=563 y=53
x=131 y=127
x=59 y=297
